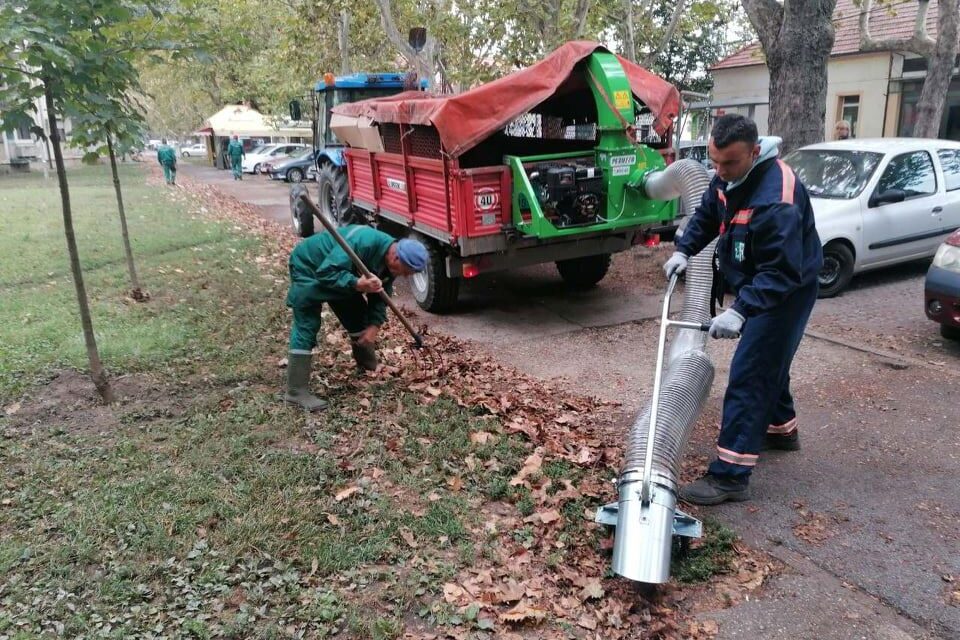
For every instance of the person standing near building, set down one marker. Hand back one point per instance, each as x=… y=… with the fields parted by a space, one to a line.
x=236 y=154
x=167 y=157
x=769 y=255
x=842 y=130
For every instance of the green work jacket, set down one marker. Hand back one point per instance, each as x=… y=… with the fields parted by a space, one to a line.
x=166 y=155
x=321 y=271
x=235 y=149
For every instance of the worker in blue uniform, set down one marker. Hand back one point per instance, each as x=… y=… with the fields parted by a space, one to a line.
x=769 y=254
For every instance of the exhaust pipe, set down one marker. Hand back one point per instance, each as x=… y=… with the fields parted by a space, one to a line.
x=648 y=482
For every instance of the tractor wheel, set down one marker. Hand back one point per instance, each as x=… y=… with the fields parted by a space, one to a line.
x=334 y=199
x=837 y=269
x=584 y=273
x=300 y=215
x=295 y=175
x=433 y=290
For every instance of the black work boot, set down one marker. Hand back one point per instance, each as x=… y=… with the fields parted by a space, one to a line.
x=781 y=442
x=298 y=383
x=364 y=355
x=712 y=489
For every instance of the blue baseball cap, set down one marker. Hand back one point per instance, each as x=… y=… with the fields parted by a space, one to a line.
x=413 y=254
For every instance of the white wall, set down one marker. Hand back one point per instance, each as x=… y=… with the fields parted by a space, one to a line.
x=866 y=76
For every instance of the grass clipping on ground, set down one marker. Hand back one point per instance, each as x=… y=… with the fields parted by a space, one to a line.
x=444 y=497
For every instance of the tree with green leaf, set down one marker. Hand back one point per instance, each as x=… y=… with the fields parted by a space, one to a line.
x=69 y=53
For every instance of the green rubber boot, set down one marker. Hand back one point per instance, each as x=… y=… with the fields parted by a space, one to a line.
x=298 y=383
x=364 y=355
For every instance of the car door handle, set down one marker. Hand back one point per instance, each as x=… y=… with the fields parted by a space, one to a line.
x=937 y=209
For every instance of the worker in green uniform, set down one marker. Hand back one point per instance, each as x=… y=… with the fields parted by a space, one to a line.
x=321 y=272
x=235 y=151
x=167 y=158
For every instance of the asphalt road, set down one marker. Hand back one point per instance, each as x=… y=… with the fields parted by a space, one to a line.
x=866 y=517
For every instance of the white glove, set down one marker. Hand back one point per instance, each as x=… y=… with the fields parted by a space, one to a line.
x=676 y=265
x=727 y=325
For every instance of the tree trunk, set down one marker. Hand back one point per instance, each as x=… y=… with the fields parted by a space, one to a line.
x=796 y=38
x=629 y=33
x=343 y=40
x=422 y=61
x=97 y=372
x=667 y=36
x=136 y=293
x=940 y=63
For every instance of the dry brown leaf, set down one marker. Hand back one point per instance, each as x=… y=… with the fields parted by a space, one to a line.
x=343 y=494
x=511 y=592
x=433 y=391
x=12 y=409
x=587 y=621
x=522 y=611
x=455 y=483
x=592 y=589
x=364 y=403
x=333 y=519
x=452 y=592
x=407 y=536
x=530 y=466
x=481 y=437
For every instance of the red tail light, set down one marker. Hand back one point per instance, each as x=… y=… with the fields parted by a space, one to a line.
x=470 y=270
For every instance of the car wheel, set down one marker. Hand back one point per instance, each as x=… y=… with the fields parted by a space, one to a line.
x=184 y=154
x=433 y=290
x=584 y=273
x=300 y=215
x=837 y=269
x=256 y=169
x=295 y=175
x=950 y=332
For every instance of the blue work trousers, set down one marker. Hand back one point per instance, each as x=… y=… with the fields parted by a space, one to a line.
x=758 y=392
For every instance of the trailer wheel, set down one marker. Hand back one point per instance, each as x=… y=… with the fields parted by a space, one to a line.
x=335 y=195
x=433 y=290
x=584 y=273
x=300 y=215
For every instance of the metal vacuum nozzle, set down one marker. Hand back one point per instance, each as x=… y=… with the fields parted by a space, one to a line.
x=646 y=514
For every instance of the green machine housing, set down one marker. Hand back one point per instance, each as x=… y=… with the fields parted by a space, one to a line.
x=566 y=194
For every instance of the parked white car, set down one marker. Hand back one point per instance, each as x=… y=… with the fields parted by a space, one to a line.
x=879 y=202
x=253 y=162
x=194 y=150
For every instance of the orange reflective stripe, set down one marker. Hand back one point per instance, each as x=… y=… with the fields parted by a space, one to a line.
x=789 y=182
x=783 y=429
x=743 y=217
x=744 y=459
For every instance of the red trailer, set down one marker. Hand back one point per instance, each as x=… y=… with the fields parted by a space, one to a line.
x=516 y=172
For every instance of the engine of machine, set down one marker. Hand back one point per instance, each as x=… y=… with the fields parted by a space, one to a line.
x=569 y=193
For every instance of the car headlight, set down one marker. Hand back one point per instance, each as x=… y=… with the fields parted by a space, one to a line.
x=948 y=257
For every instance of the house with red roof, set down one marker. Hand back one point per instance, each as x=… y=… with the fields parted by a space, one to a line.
x=876 y=92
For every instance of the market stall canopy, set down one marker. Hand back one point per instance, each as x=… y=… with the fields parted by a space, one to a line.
x=246 y=121
x=466 y=119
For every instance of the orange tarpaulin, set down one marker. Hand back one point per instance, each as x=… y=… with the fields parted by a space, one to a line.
x=466 y=119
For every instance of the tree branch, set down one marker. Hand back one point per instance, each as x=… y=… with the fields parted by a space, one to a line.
x=580 y=15
x=667 y=35
x=766 y=16
x=919 y=42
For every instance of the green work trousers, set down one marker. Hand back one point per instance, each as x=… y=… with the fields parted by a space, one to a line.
x=351 y=312
x=236 y=163
x=170 y=173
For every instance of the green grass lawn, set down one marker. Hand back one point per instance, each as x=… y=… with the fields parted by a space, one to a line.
x=177 y=252
x=203 y=508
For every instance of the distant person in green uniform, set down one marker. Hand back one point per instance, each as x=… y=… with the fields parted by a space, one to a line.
x=236 y=154
x=322 y=273
x=167 y=158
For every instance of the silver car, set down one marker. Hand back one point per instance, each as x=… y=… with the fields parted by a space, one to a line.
x=879 y=202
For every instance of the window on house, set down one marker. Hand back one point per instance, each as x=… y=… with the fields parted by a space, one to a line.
x=848 y=109
x=23 y=132
x=950 y=163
